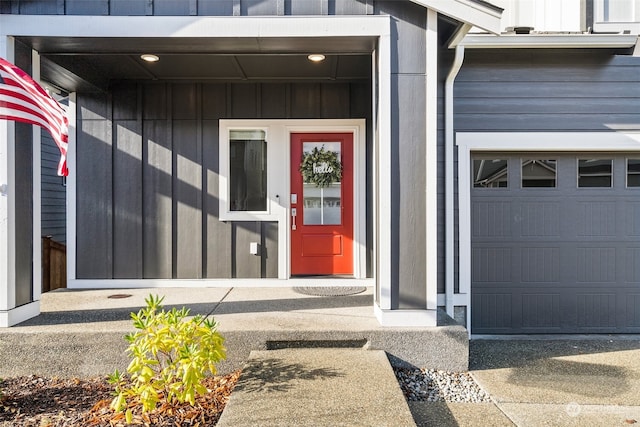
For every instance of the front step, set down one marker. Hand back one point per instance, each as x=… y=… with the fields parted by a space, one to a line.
x=317 y=387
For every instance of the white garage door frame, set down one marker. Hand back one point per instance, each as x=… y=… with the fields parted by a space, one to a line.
x=469 y=142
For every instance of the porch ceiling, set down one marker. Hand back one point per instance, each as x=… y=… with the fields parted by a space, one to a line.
x=85 y=63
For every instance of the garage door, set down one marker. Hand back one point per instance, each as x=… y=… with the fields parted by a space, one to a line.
x=555 y=243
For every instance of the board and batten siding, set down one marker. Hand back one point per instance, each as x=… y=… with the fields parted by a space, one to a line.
x=147 y=186
x=188 y=7
x=23 y=201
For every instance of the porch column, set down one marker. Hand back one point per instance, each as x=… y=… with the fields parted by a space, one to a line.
x=390 y=287
x=7 y=205
x=18 y=268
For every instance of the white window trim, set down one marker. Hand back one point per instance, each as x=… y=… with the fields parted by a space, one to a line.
x=600 y=25
x=469 y=142
x=225 y=213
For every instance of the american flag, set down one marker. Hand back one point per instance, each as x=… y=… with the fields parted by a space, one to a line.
x=24 y=100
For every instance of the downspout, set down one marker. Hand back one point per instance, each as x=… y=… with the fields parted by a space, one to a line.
x=449 y=169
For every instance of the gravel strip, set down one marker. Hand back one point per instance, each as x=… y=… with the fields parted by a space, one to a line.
x=430 y=385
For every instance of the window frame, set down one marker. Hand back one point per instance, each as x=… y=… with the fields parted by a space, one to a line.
x=602 y=24
x=627 y=174
x=224 y=179
x=612 y=176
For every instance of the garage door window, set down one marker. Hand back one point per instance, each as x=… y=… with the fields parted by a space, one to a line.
x=490 y=173
x=538 y=173
x=633 y=172
x=595 y=173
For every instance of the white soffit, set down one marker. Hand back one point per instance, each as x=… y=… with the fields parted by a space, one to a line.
x=489 y=41
x=477 y=14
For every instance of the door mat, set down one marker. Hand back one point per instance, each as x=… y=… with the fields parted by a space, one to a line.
x=330 y=291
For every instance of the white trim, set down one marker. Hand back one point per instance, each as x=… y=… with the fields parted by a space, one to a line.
x=406 y=318
x=213 y=283
x=546 y=41
x=71 y=188
x=37 y=192
x=458 y=300
x=431 y=160
x=273 y=167
x=194 y=26
x=382 y=170
x=467 y=11
x=19 y=314
x=278 y=179
x=617 y=27
x=469 y=142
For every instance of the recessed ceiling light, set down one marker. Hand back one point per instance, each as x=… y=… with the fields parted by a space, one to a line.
x=316 y=57
x=150 y=57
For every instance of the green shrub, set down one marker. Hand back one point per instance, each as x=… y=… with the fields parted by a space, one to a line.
x=170 y=356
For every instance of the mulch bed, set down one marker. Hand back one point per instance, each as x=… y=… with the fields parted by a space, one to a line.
x=35 y=401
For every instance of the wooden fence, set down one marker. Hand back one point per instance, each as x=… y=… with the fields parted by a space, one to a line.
x=54 y=265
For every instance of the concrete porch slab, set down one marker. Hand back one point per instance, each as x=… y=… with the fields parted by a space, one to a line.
x=80 y=332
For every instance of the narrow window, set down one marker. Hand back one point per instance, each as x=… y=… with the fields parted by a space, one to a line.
x=490 y=173
x=595 y=173
x=538 y=173
x=247 y=170
x=633 y=172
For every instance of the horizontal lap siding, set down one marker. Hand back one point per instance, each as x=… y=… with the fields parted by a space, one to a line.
x=552 y=90
x=148 y=155
x=54 y=193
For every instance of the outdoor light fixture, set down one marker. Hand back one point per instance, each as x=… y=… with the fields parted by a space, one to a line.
x=316 y=57
x=149 y=57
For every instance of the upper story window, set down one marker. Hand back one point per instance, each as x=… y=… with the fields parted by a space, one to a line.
x=617 y=10
x=616 y=16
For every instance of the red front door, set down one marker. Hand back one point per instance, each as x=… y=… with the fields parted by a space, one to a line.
x=321 y=203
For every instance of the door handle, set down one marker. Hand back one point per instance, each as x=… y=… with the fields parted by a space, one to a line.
x=294 y=213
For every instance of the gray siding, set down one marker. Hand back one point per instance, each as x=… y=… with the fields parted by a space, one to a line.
x=94 y=196
x=188 y=7
x=408 y=80
x=147 y=196
x=553 y=90
x=24 y=201
x=54 y=192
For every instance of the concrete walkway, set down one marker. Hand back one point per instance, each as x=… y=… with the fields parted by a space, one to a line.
x=317 y=387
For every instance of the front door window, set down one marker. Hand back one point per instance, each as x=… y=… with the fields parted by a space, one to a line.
x=322 y=189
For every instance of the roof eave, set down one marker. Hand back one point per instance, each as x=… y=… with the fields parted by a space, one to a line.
x=549 y=41
x=477 y=14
